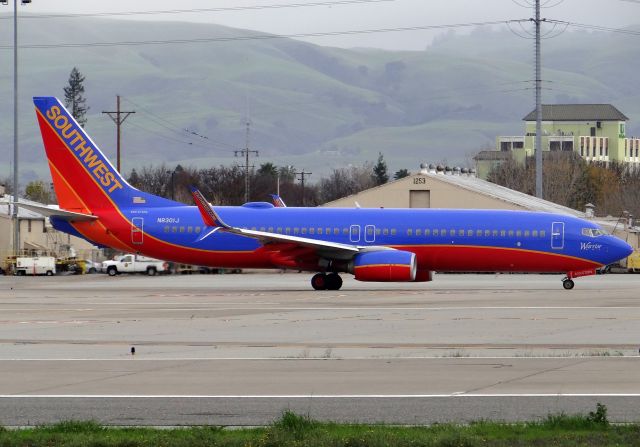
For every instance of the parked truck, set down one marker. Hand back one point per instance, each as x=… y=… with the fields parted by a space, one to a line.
x=40 y=265
x=134 y=264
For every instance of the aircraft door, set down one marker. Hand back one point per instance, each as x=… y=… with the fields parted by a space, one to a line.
x=137 y=227
x=354 y=233
x=557 y=235
x=370 y=233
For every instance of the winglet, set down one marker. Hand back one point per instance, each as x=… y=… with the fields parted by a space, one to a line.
x=277 y=201
x=209 y=215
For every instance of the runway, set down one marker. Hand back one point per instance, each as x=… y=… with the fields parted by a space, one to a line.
x=240 y=349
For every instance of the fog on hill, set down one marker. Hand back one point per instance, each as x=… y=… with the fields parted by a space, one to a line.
x=309 y=106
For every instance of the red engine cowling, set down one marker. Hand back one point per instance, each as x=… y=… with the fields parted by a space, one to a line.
x=385 y=266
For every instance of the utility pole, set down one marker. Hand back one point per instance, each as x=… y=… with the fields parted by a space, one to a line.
x=118 y=117
x=302 y=175
x=538 y=78
x=246 y=153
x=16 y=220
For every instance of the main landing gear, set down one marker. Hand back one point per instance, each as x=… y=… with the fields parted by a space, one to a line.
x=567 y=283
x=322 y=281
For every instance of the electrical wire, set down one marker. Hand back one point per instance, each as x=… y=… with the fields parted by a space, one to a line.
x=596 y=27
x=263 y=36
x=162 y=122
x=199 y=10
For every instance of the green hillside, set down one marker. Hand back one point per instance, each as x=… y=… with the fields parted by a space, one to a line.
x=309 y=106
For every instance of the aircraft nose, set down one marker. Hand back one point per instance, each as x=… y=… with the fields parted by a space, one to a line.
x=619 y=249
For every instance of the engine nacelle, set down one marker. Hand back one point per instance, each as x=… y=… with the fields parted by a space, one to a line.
x=385 y=266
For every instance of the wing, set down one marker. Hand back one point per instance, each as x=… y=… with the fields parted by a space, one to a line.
x=333 y=250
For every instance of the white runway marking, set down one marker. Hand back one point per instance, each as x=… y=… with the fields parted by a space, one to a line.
x=335 y=358
x=304 y=396
x=211 y=306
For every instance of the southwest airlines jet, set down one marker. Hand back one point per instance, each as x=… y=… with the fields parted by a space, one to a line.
x=97 y=203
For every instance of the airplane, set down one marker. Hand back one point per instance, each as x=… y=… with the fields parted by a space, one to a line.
x=375 y=245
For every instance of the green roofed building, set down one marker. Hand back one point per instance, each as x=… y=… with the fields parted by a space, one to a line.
x=594 y=131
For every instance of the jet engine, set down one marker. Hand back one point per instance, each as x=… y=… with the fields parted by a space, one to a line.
x=384 y=266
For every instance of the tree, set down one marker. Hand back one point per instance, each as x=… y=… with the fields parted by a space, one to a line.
x=380 y=175
x=74 y=97
x=38 y=192
x=401 y=173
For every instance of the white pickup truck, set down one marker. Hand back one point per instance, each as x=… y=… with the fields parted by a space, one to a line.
x=134 y=264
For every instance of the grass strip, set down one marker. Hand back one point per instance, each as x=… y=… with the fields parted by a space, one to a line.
x=300 y=431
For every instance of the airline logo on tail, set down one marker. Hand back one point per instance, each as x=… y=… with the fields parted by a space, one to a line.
x=75 y=139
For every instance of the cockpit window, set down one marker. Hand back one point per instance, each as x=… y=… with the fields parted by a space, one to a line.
x=592 y=232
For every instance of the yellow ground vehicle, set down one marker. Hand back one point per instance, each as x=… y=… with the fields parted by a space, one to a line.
x=633 y=262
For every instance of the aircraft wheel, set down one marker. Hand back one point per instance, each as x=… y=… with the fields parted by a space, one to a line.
x=568 y=284
x=334 y=281
x=319 y=281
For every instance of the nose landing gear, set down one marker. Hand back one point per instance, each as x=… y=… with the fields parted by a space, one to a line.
x=321 y=281
x=568 y=283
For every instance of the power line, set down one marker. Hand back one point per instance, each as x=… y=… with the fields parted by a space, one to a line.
x=162 y=122
x=265 y=36
x=596 y=27
x=200 y=10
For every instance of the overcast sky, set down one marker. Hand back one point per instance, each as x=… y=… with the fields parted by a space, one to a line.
x=369 y=14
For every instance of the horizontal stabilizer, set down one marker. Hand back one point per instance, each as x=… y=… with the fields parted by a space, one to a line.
x=68 y=216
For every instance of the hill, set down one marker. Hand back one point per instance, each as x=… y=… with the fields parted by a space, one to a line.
x=310 y=106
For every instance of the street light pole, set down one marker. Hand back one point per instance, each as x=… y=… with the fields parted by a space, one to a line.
x=16 y=186
x=16 y=222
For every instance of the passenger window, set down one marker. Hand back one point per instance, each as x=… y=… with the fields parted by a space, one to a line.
x=166 y=229
x=418 y=232
x=518 y=233
x=378 y=231
x=279 y=230
x=198 y=229
x=189 y=229
x=345 y=231
x=270 y=229
x=263 y=229
x=303 y=230
x=427 y=232
x=393 y=232
x=470 y=233
x=478 y=233
x=503 y=233
x=443 y=232
x=336 y=231
x=181 y=229
x=494 y=233
x=385 y=231
x=370 y=231
x=319 y=230
x=436 y=233
x=296 y=230
x=510 y=233
x=452 y=233
x=487 y=233
x=253 y=228
x=534 y=233
x=460 y=232
x=327 y=231
x=287 y=230
x=542 y=233
x=312 y=230
x=174 y=229
x=526 y=233
x=409 y=232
